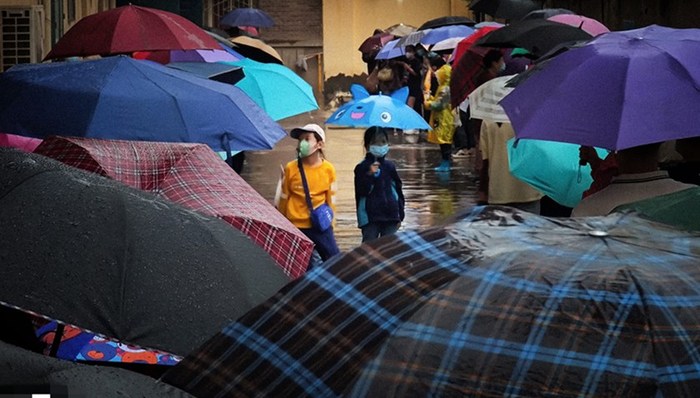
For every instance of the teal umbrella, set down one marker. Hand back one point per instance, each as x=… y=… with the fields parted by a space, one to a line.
x=679 y=209
x=275 y=88
x=551 y=167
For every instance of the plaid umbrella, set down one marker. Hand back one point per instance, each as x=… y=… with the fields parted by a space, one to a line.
x=497 y=303
x=193 y=176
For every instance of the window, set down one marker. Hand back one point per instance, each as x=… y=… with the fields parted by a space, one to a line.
x=16 y=44
x=218 y=8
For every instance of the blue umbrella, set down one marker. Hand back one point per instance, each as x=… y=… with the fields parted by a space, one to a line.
x=391 y=50
x=551 y=168
x=275 y=88
x=123 y=98
x=446 y=32
x=247 y=16
x=378 y=110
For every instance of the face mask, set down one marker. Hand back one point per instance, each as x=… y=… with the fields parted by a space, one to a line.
x=410 y=55
x=379 y=150
x=304 y=149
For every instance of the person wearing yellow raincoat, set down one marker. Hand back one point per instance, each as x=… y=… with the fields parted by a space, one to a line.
x=441 y=116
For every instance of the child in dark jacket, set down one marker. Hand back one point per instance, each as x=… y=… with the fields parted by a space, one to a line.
x=378 y=194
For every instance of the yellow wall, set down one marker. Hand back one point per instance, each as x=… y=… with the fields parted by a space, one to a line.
x=347 y=23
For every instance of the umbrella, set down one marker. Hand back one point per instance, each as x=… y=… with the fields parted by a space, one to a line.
x=256 y=49
x=469 y=41
x=506 y=9
x=648 y=93
x=17 y=141
x=446 y=45
x=130 y=28
x=94 y=253
x=391 y=50
x=123 y=98
x=679 y=209
x=545 y=13
x=498 y=302
x=535 y=35
x=34 y=374
x=380 y=110
x=276 y=89
x=589 y=25
x=400 y=30
x=447 y=21
x=247 y=16
x=165 y=57
x=483 y=101
x=211 y=70
x=552 y=168
x=437 y=35
x=193 y=176
x=413 y=38
x=375 y=42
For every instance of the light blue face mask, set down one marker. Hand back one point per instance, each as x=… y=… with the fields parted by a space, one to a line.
x=304 y=149
x=379 y=150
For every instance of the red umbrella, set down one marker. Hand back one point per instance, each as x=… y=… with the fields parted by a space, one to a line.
x=193 y=176
x=467 y=64
x=375 y=42
x=131 y=28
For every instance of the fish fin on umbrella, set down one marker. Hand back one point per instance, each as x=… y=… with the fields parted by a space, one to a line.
x=358 y=92
x=400 y=94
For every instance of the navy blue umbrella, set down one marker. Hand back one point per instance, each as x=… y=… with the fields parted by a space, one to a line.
x=247 y=16
x=123 y=98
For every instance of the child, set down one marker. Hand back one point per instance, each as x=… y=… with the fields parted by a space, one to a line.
x=378 y=195
x=441 y=117
x=320 y=178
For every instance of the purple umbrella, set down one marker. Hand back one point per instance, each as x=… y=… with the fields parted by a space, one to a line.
x=620 y=90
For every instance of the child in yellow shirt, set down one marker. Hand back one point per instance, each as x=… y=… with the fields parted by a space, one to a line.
x=321 y=181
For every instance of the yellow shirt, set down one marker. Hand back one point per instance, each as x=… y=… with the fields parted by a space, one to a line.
x=322 y=186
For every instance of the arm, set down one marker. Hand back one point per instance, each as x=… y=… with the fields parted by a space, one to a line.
x=364 y=180
x=284 y=197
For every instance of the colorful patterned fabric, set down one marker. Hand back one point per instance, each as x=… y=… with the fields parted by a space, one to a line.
x=496 y=303
x=192 y=176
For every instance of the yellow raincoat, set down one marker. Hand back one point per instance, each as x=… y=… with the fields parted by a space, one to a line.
x=441 y=116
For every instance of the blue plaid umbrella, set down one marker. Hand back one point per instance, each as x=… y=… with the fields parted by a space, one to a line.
x=497 y=303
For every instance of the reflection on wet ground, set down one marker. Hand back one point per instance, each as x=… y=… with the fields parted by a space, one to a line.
x=431 y=197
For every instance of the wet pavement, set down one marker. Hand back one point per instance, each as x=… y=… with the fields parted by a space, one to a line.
x=431 y=197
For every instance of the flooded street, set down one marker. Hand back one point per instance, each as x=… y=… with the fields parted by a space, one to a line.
x=430 y=197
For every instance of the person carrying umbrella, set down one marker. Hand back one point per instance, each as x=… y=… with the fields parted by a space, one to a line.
x=308 y=187
x=441 y=117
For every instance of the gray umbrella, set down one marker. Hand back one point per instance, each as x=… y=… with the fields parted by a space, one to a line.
x=118 y=261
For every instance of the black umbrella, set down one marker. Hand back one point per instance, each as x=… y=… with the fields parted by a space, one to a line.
x=447 y=21
x=538 y=36
x=507 y=9
x=26 y=372
x=546 y=13
x=97 y=254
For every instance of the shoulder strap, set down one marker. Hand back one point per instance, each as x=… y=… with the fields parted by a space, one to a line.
x=306 y=186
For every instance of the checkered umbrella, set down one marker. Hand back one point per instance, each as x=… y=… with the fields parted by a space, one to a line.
x=496 y=303
x=193 y=176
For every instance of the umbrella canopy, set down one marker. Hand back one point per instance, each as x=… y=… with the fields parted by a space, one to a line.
x=193 y=176
x=256 y=49
x=17 y=141
x=538 y=36
x=381 y=110
x=375 y=42
x=446 y=45
x=165 y=57
x=679 y=209
x=650 y=91
x=211 y=70
x=589 y=25
x=400 y=30
x=120 y=262
x=130 y=28
x=437 y=35
x=466 y=43
x=391 y=50
x=483 y=101
x=39 y=374
x=123 y=98
x=447 y=21
x=545 y=13
x=499 y=302
x=247 y=16
x=276 y=89
x=506 y=9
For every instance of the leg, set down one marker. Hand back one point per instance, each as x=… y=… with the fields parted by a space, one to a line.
x=389 y=228
x=369 y=232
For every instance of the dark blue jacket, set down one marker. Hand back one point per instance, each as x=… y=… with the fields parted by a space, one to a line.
x=378 y=197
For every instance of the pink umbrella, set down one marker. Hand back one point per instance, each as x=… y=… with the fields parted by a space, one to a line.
x=166 y=57
x=26 y=144
x=193 y=176
x=588 y=25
